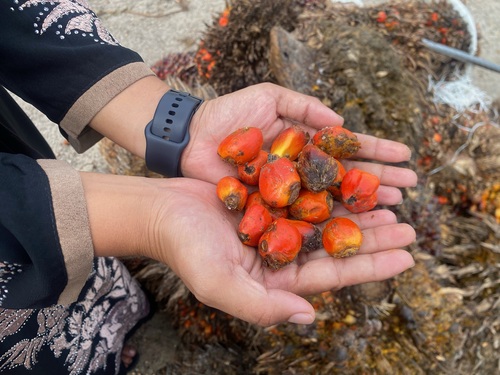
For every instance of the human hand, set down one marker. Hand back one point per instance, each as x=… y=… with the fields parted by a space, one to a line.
x=273 y=108
x=196 y=236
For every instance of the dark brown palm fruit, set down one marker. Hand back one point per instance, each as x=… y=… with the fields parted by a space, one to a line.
x=250 y=171
x=310 y=233
x=280 y=244
x=254 y=223
x=276 y=212
x=334 y=188
x=359 y=190
x=317 y=169
x=312 y=207
x=279 y=182
x=337 y=141
x=290 y=142
x=232 y=193
x=241 y=146
x=341 y=237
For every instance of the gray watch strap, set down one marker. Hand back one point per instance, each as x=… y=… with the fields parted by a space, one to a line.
x=168 y=133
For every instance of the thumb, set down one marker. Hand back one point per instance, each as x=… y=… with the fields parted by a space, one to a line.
x=248 y=300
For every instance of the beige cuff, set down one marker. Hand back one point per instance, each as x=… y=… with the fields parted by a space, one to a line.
x=72 y=223
x=76 y=121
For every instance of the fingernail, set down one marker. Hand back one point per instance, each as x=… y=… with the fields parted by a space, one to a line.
x=301 y=318
x=409 y=152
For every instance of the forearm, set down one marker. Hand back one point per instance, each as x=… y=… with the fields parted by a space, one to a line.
x=125 y=117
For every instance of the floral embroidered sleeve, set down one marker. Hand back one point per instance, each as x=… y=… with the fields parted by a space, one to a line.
x=58 y=56
x=46 y=248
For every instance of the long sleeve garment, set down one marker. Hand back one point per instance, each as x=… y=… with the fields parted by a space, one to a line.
x=58 y=57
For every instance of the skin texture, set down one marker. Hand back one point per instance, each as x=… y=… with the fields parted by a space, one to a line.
x=181 y=222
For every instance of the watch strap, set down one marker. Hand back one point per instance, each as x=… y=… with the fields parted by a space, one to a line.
x=168 y=133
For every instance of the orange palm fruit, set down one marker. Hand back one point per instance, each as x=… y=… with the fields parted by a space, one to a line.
x=312 y=207
x=289 y=142
x=310 y=233
x=337 y=141
x=254 y=223
x=316 y=168
x=232 y=193
x=279 y=182
x=241 y=146
x=334 y=188
x=249 y=172
x=341 y=237
x=280 y=244
x=276 y=212
x=359 y=190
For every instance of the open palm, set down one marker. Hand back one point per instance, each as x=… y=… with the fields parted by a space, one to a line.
x=202 y=247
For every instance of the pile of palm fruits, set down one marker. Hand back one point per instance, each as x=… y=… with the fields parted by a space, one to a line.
x=286 y=192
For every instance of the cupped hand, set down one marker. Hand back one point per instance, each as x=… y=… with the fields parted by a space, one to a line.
x=273 y=108
x=266 y=106
x=197 y=237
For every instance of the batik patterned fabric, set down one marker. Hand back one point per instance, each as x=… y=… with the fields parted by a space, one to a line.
x=84 y=338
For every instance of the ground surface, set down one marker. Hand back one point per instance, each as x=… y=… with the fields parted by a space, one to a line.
x=155 y=28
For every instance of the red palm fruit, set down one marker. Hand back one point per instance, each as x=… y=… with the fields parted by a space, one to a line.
x=241 y=146
x=334 y=188
x=276 y=212
x=254 y=223
x=312 y=207
x=310 y=233
x=232 y=193
x=337 y=141
x=359 y=190
x=250 y=171
x=316 y=168
x=280 y=244
x=341 y=237
x=255 y=198
x=279 y=182
x=289 y=142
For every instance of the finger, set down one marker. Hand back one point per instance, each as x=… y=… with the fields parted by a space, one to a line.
x=386 y=196
x=366 y=220
x=304 y=109
x=338 y=273
x=246 y=299
x=388 y=175
x=376 y=239
x=372 y=219
x=385 y=150
x=387 y=237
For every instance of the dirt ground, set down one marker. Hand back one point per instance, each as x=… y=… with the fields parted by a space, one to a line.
x=155 y=28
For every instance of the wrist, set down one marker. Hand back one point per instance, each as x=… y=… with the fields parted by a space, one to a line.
x=119 y=208
x=123 y=119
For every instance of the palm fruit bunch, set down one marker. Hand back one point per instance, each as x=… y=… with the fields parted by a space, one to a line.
x=286 y=194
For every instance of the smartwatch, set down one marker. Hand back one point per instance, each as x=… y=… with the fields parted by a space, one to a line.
x=167 y=134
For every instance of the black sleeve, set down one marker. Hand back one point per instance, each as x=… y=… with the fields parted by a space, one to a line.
x=32 y=269
x=53 y=52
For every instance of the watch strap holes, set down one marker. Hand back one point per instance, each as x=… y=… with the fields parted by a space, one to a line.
x=175 y=105
x=171 y=113
x=167 y=130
